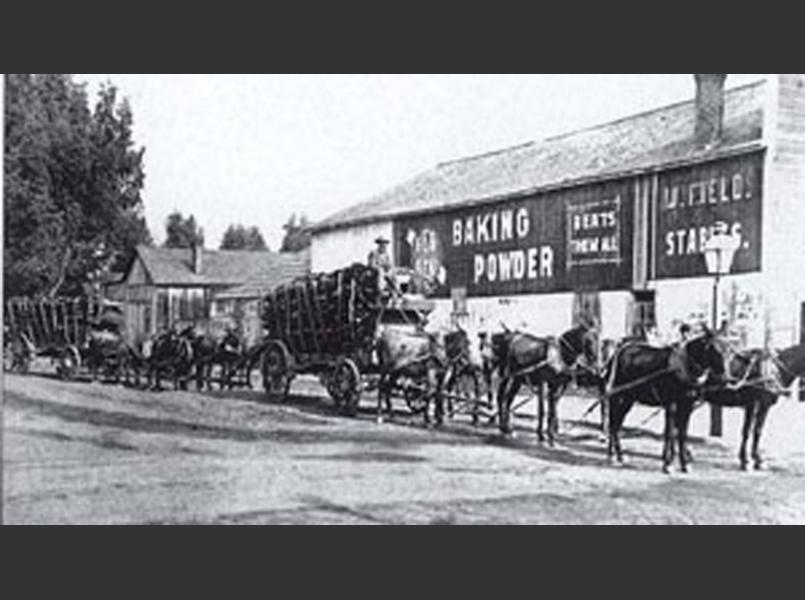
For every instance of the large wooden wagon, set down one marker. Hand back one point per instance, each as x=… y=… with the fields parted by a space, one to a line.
x=326 y=325
x=56 y=328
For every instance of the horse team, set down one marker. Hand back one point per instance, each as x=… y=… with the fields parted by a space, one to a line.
x=180 y=356
x=675 y=379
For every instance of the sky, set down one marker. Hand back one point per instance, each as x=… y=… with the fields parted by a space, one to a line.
x=252 y=149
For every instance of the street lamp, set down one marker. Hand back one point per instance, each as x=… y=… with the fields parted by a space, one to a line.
x=719 y=252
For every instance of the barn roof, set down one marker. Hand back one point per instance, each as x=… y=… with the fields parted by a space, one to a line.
x=644 y=142
x=222 y=269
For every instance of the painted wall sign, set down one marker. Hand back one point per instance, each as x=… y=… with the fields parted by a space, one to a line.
x=695 y=203
x=594 y=233
x=556 y=242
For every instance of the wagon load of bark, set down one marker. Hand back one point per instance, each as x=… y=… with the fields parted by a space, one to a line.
x=325 y=314
x=52 y=322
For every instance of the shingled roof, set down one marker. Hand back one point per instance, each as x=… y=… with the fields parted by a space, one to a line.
x=289 y=268
x=222 y=269
x=659 y=138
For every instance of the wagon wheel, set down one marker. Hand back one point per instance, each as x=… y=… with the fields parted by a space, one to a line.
x=415 y=398
x=346 y=387
x=276 y=371
x=69 y=363
x=328 y=382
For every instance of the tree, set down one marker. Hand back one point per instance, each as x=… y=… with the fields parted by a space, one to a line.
x=182 y=232
x=238 y=237
x=74 y=176
x=297 y=235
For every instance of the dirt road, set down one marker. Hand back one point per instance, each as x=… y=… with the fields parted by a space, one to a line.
x=93 y=454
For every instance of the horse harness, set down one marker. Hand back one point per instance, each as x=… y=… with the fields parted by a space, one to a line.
x=678 y=368
x=770 y=382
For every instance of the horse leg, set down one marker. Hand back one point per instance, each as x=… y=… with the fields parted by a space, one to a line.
x=541 y=413
x=382 y=401
x=231 y=369
x=553 y=414
x=749 y=419
x=619 y=409
x=668 y=444
x=514 y=389
x=503 y=417
x=450 y=385
x=684 y=412
x=760 y=422
x=614 y=404
x=490 y=391
x=604 y=407
x=436 y=383
x=199 y=367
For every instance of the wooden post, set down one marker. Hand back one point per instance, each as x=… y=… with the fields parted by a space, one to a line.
x=716 y=412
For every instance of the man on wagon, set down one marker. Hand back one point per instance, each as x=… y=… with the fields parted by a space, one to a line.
x=380 y=258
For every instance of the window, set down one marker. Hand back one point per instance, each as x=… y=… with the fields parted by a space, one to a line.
x=163 y=309
x=198 y=305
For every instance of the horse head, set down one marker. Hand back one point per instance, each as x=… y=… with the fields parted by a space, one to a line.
x=579 y=343
x=703 y=358
x=791 y=364
x=457 y=344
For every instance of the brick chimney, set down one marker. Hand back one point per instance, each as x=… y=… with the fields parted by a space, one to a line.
x=709 y=108
x=198 y=257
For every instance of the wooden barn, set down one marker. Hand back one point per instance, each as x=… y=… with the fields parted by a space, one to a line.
x=612 y=223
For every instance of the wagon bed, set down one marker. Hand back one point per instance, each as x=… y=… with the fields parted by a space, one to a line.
x=55 y=328
x=327 y=325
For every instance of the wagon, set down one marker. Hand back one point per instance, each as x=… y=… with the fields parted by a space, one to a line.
x=326 y=325
x=59 y=329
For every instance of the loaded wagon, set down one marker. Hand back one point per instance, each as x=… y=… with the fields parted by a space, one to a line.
x=65 y=330
x=328 y=325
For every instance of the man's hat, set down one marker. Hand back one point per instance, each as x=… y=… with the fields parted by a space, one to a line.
x=381 y=241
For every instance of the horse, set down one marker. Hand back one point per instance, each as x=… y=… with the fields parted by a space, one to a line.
x=463 y=373
x=209 y=353
x=521 y=358
x=107 y=350
x=419 y=359
x=170 y=353
x=670 y=377
x=757 y=381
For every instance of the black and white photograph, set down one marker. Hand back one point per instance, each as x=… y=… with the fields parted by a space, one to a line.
x=403 y=299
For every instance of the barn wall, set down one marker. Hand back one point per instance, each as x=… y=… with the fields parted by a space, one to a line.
x=785 y=188
x=335 y=250
x=541 y=315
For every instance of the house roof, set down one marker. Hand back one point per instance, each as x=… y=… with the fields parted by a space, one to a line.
x=223 y=269
x=290 y=267
x=643 y=142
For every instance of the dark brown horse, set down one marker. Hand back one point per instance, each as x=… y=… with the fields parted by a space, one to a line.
x=171 y=354
x=523 y=359
x=671 y=378
x=757 y=381
x=464 y=376
x=208 y=353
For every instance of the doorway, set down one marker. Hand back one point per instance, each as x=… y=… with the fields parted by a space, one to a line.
x=587 y=309
x=643 y=317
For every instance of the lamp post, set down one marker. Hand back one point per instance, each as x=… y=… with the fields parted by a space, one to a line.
x=719 y=253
